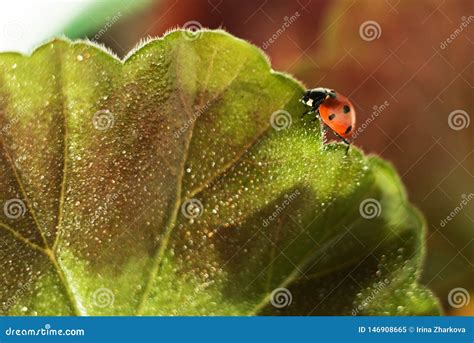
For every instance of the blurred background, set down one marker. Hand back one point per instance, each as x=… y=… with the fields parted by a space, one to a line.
x=406 y=65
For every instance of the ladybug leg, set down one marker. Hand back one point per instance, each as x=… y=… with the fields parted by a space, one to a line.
x=345 y=141
x=325 y=132
x=308 y=111
x=316 y=117
x=313 y=109
x=342 y=138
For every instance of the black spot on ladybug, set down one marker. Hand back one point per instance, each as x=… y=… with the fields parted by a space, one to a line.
x=346 y=109
x=332 y=116
x=348 y=130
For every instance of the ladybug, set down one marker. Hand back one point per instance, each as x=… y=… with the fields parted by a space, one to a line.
x=335 y=110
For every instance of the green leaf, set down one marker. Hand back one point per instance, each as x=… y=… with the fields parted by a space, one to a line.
x=182 y=181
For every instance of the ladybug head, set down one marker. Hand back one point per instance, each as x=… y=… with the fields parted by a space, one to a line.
x=306 y=99
x=314 y=97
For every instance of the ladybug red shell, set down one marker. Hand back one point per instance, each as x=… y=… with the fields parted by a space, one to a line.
x=339 y=114
x=334 y=109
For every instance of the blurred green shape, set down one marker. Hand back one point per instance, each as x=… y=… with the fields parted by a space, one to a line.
x=99 y=13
